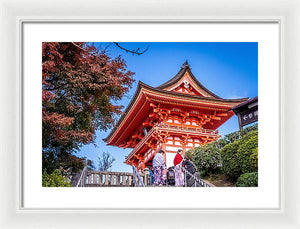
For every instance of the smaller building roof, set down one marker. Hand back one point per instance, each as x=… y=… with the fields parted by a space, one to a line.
x=246 y=105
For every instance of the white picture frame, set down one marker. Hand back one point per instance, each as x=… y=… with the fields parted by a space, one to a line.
x=12 y=216
x=265 y=196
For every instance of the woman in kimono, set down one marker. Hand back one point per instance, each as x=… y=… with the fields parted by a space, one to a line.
x=158 y=167
x=179 y=176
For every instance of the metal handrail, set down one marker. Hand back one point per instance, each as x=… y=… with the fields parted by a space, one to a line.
x=136 y=174
x=200 y=181
x=82 y=178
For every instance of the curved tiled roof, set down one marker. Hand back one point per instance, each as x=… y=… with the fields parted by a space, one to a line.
x=185 y=68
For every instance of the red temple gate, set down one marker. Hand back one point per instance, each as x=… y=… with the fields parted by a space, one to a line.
x=179 y=114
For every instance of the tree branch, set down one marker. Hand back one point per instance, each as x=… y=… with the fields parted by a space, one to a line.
x=79 y=47
x=133 y=51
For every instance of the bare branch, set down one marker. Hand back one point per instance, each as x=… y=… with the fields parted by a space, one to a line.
x=133 y=51
x=105 y=161
x=79 y=47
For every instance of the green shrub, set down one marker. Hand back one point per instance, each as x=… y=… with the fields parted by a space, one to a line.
x=248 y=180
x=207 y=159
x=231 y=165
x=54 y=179
x=254 y=158
x=248 y=153
x=241 y=156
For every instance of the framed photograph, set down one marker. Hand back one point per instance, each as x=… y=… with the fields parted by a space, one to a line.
x=125 y=117
x=174 y=134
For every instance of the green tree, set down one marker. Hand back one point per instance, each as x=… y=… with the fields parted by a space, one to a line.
x=207 y=159
x=64 y=161
x=234 y=136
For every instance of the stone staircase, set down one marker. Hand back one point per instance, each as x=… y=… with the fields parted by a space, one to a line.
x=121 y=179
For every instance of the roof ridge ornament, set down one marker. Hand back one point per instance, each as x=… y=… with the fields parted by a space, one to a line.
x=186 y=84
x=186 y=64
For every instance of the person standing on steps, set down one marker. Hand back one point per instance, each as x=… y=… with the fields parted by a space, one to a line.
x=179 y=176
x=159 y=165
x=151 y=175
x=191 y=168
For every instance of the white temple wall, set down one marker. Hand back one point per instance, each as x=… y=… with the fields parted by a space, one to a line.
x=170 y=159
x=173 y=148
x=170 y=154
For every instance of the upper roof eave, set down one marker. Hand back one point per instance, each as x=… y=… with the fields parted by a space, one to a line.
x=156 y=89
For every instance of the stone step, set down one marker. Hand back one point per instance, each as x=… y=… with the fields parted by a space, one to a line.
x=101 y=185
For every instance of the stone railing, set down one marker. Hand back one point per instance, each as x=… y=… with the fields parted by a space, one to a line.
x=121 y=179
x=116 y=179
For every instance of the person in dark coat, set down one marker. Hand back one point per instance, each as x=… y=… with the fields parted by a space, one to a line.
x=191 y=168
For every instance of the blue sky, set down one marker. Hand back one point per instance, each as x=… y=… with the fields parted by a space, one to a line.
x=228 y=69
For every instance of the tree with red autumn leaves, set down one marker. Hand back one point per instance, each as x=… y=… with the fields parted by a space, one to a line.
x=79 y=85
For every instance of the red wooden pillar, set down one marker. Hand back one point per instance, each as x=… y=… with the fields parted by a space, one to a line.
x=183 y=148
x=183 y=143
x=163 y=147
